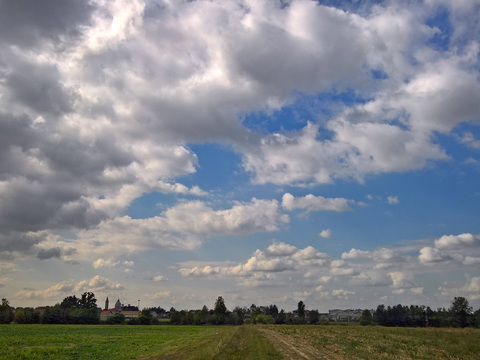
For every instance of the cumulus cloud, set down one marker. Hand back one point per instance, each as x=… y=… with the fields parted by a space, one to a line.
x=110 y=262
x=263 y=265
x=403 y=280
x=379 y=255
x=181 y=227
x=314 y=203
x=342 y=294
x=95 y=284
x=280 y=249
x=326 y=233
x=457 y=241
x=471 y=289
x=393 y=200
x=432 y=255
x=469 y=140
x=98 y=110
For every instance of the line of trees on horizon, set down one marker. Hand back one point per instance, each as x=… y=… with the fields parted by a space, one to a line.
x=84 y=310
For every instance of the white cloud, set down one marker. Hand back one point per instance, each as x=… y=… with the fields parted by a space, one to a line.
x=343 y=272
x=371 y=278
x=160 y=278
x=469 y=140
x=180 y=227
x=342 y=294
x=280 y=249
x=470 y=260
x=314 y=203
x=470 y=290
x=457 y=241
x=393 y=200
x=110 y=262
x=95 y=284
x=243 y=218
x=432 y=255
x=402 y=280
x=326 y=233
x=381 y=255
x=417 y=290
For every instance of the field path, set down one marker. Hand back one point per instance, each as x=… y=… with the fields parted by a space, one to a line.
x=294 y=347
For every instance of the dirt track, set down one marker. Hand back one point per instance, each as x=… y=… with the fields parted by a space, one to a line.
x=294 y=347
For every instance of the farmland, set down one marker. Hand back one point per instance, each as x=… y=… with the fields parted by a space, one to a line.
x=240 y=342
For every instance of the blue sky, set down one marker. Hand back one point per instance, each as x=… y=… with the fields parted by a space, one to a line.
x=265 y=151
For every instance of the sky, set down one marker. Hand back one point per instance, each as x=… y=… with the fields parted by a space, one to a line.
x=169 y=152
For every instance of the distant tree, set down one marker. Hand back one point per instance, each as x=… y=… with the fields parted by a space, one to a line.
x=281 y=317
x=313 y=317
x=187 y=317
x=366 y=318
x=460 y=311
x=6 y=312
x=380 y=316
x=70 y=302
x=240 y=313
x=476 y=319
x=145 y=317
x=117 y=318
x=254 y=311
x=87 y=301
x=19 y=317
x=301 y=310
x=175 y=317
x=220 y=311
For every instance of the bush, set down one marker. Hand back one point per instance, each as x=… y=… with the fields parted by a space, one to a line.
x=117 y=319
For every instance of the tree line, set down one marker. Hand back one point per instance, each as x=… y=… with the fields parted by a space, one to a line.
x=84 y=310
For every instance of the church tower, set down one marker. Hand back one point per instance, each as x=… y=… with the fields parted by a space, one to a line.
x=118 y=305
x=106 y=304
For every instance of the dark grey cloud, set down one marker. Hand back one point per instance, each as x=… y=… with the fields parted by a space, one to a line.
x=49 y=253
x=15 y=241
x=38 y=87
x=26 y=22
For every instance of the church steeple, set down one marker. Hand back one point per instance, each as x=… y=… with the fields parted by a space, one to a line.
x=118 y=305
x=106 y=304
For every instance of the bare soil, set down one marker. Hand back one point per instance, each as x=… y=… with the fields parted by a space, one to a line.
x=295 y=347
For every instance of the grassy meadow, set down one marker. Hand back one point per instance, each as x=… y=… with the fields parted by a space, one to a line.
x=240 y=342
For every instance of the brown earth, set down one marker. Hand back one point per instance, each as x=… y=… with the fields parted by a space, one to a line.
x=294 y=347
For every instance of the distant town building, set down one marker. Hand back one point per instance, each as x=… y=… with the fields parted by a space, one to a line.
x=344 y=315
x=107 y=313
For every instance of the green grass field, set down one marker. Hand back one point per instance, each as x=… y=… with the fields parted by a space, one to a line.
x=241 y=342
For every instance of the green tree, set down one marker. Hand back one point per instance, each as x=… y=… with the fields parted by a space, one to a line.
x=460 y=311
x=240 y=313
x=175 y=317
x=313 y=317
x=281 y=318
x=87 y=301
x=20 y=317
x=366 y=318
x=301 y=310
x=117 y=318
x=70 y=302
x=220 y=310
x=6 y=312
x=476 y=319
x=145 y=317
